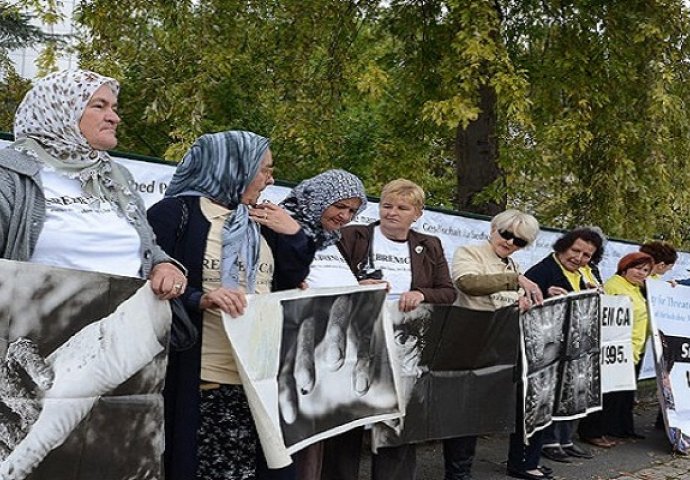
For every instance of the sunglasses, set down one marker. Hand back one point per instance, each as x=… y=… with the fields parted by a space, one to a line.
x=517 y=241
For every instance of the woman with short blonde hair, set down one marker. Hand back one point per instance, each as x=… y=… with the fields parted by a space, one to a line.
x=406 y=190
x=414 y=266
x=521 y=224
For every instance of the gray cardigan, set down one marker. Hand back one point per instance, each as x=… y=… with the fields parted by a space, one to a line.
x=22 y=211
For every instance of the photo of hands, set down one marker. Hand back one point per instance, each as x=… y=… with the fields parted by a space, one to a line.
x=561 y=350
x=334 y=364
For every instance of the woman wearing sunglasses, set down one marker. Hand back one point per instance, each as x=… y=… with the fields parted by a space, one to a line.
x=488 y=279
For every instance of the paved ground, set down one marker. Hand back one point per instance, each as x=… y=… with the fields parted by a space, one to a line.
x=648 y=459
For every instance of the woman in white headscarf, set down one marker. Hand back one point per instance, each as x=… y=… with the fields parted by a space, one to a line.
x=63 y=201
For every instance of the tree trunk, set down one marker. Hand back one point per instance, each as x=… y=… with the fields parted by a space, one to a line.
x=476 y=155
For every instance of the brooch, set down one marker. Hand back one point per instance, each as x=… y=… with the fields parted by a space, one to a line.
x=418 y=249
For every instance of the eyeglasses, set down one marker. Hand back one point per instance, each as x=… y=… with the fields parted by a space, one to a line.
x=517 y=241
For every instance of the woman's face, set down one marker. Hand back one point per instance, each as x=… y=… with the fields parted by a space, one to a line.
x=501 y=246
x=339 y=213
x=99 y=121
x=263 y=178
x=577 y=255
x=637 y=275
x=397 y=216
x=662 y=267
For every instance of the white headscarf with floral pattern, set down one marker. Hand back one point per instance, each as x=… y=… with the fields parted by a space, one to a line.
x=46 y=127
x=51 y=111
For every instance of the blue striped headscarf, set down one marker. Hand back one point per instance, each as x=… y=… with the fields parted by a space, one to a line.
x=220 y=166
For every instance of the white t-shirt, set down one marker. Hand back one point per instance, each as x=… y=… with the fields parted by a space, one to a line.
x=393 y=258
x=83 y=233
x=329 y=269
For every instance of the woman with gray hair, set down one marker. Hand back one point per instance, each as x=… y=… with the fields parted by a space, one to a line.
x=488 y=279
x=486 y=276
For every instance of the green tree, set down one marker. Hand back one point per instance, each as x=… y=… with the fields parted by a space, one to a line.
x=16 y=32
x=571 y=110
x=609 y=143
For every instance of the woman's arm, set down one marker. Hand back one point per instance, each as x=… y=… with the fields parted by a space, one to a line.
x=164 y=218
x=471 y=279
x=292 y=255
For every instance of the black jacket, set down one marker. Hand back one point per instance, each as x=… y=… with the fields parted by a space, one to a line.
x=185 y=240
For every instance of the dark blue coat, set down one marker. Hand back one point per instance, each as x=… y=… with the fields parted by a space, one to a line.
x=187 y=243
x=547 y=273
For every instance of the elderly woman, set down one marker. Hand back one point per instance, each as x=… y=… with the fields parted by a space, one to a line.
x=633 y=269
x=210 y=219
x=64 y=201
x=322 y=205
x=415 y=268
x=566 y=270
x=488 y=279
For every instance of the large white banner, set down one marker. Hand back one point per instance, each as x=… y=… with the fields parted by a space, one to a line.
x=617 y=367
x=669 y=313
x=454 y=230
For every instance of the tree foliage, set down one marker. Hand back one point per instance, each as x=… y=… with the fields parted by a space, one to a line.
x=16 y=32
x=589 y=94
x=609 y=142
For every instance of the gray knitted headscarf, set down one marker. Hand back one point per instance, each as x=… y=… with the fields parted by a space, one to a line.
x=308 y=200
x=220 y=166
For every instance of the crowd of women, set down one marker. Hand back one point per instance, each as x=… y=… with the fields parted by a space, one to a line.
x=209 y=243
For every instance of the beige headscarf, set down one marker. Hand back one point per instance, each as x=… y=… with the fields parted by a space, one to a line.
x=51 y=111
x=46 y=126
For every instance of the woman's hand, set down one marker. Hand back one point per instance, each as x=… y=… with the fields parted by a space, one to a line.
x=373 y=281
x=167 y=281
x=532 y=291
x=410 y=300
x=232 y=302
x=524 y=303
x=274 y=217
x=556 y=291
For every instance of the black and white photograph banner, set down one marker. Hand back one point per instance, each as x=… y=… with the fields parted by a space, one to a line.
x=617 y=365
x=561 y=360
x=315 y=363
x=669 y=314
x=457 y=370
x=84 y=357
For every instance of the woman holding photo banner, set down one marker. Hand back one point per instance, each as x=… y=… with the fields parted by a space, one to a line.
x=633 y=269
x=415 y=268
x=488 y=279
x=210 y=220
x=566 y=270
x=65 y=203
x=321 y=205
